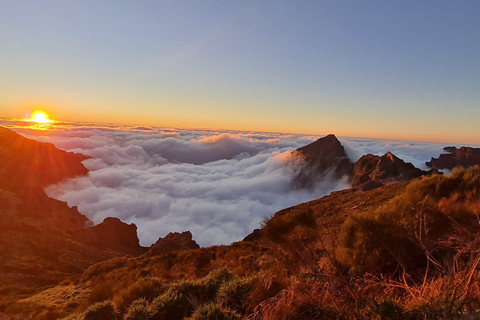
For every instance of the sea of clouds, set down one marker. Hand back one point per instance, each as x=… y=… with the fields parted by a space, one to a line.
x=218 y=184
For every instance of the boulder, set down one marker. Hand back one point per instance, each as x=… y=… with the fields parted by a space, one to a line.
x=463 y=157
x=173 y=241
x=326 y=156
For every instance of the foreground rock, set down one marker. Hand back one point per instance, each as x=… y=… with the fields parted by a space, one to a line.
x=463 y=157
x=324 y=157
x=372 y=171
x=173 y=241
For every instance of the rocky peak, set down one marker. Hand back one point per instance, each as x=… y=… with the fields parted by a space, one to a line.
x=463 y=157
x=319 y=158
x=372 y=171
x=172 y=242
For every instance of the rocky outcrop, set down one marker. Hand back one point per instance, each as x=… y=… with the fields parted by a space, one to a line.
x=463 y=157
x=112 y=233
x=172 y=242
x=326 y=156
x=372 y=171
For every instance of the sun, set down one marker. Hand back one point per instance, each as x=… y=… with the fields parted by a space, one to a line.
x=40 y=117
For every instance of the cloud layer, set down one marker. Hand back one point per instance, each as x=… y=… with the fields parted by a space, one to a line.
x=217 y=184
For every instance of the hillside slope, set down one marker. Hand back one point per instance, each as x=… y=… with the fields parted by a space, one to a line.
x=401 y=251
x=38 y=247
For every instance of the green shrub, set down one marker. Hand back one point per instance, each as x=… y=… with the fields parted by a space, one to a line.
x=181 y=299
x=74 y=316
x=214 y=311
x=398 y=235
x=213 y=281
x=171 y=305
x=138 y=310
x=101 y=311
x=233 y=294
x=148 y=289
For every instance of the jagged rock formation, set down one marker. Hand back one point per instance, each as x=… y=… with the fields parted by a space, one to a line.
x=320 y=158
x=372 y=171
x=112 y=233
x=463 y=157
x=172 y=242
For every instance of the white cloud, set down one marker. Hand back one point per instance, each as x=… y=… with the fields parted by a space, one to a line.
x=219 y=185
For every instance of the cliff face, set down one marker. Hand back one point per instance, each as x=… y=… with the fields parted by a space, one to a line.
x=326 y=156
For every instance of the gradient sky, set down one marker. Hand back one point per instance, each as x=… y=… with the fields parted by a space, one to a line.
x=388 y=69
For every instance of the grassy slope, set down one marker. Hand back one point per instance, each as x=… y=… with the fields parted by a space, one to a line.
x=403 y=251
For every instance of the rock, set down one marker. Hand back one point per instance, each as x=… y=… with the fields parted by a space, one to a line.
x=326 y=156
x=371 y=185
x=450 y=149
x=463 y=157
x=111 y=233
x=173 y=241
x=255 y=235
x=372 y=171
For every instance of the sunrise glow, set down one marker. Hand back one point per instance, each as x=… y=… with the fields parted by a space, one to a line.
x=40 y=117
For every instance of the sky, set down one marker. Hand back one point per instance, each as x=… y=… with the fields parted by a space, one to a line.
x=218 y=184
x=381 y=69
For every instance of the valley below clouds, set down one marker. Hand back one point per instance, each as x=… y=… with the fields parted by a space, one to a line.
x=219 y=185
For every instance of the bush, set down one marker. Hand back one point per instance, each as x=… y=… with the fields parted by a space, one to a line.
x=171 y=305
x=212 y=282
x=214 y=311
x=74 y=316
x=181 y=299
x=420 y=221
x=233 y=294
x=138 y=310
x=281 y=224
x=148 y=289
x=101 y=311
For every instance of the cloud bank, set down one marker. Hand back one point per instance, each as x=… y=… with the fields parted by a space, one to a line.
x=220 y=185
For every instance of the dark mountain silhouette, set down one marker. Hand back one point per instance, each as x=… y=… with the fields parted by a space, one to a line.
x=326 y=156
x=463 y=157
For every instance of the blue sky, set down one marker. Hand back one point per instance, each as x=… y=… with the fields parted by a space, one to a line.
x=392 y=69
